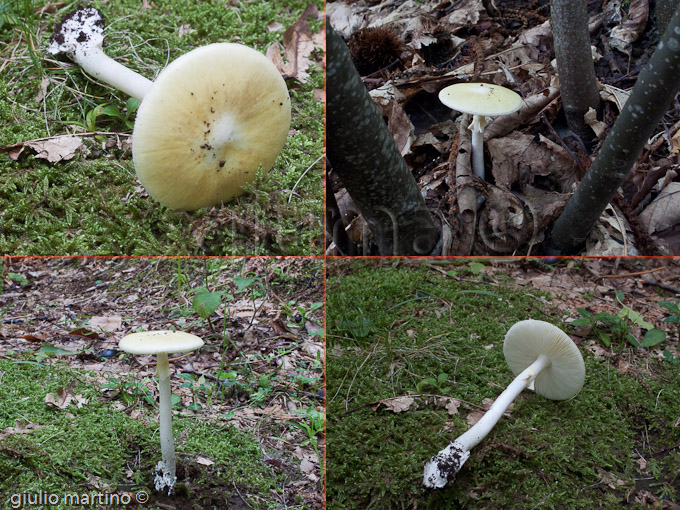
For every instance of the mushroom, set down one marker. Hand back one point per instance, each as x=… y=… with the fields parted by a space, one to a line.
x=210 y=120
x=544 y=359
x=161 y=343
x=481 y=100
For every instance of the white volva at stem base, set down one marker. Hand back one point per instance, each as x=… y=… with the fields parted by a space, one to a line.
x=165 y=470
x=442 y=467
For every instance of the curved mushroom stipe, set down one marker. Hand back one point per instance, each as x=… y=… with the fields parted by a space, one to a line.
x=539 y=349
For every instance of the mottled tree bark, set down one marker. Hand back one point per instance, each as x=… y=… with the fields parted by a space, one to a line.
x=655 y=88
x=664 y=13
x=363 y=153
x=575 y=67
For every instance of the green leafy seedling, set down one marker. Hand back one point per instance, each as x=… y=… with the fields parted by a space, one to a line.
x=435 y=383
x=314 y=427
x=674 y=309
x=195 y=386
x=205 y=302
x=18 y=278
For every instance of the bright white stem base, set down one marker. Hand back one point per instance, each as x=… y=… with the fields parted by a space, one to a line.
x=166 y=478
x=477 y=127
x=443 y=467
x=102 y=67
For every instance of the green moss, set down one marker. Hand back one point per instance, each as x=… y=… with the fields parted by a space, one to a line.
x=93 y=204
x=96 y=448
x=423 y=324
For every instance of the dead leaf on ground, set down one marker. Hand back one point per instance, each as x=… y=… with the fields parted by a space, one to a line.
x=185 y=30
x=108 y=323
x=396 y=404
x=624 y=35
x=19 y=428
x=664 y=211
x=64 y=398
x=55 y=149
x=298 y=46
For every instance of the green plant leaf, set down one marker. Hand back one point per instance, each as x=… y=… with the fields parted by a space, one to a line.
x=636 y=318
x=669 y=357
x=131 y=105
x=606 y=317
x=243 y=283
x=264 y=381
x=670 y=306
x=581 y=321
x=16 y=277
x=584 y=312
x=205 y=303
x=110 y=111
x=51 y=349
x=604 y=338
x=175 y=400
x=653 y=337
x=476 y=267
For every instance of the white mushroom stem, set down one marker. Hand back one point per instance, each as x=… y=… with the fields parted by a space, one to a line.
x=477 y=127
x=99 y=65
x=442 y=467
x=80 y=36
x=167 y=477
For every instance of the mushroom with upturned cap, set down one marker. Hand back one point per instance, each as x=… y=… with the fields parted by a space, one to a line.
x=481 y=100
x=210 y=120
x=161 y=343
x=538 y=353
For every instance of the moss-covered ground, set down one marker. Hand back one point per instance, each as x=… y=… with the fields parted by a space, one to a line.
x=409 y=328
x=93 y=203
x=83 y=451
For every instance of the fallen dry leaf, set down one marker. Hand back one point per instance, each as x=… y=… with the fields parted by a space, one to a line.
x=664 y=211
x=396 y=405
x=298 y=45
x=307 y=466
x=474 y=417
x=184 y=30
x=108 y=323
x=203 y=461
x=19 y=428
x=64 y=398
x=55 y=149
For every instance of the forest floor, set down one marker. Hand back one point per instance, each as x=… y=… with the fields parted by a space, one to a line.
x=57 y=199
x=407 y=51
x=79 y=416
x=415 y=357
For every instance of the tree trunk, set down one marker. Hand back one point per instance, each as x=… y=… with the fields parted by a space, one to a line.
x=664 y=13
x=335 y=227
x=575 y=67
x=655 y=88
x=361 y=150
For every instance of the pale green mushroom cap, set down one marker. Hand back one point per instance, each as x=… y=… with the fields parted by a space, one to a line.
x=155 y=342
x=528 y=339
x=480 y=99
x=212 y=119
